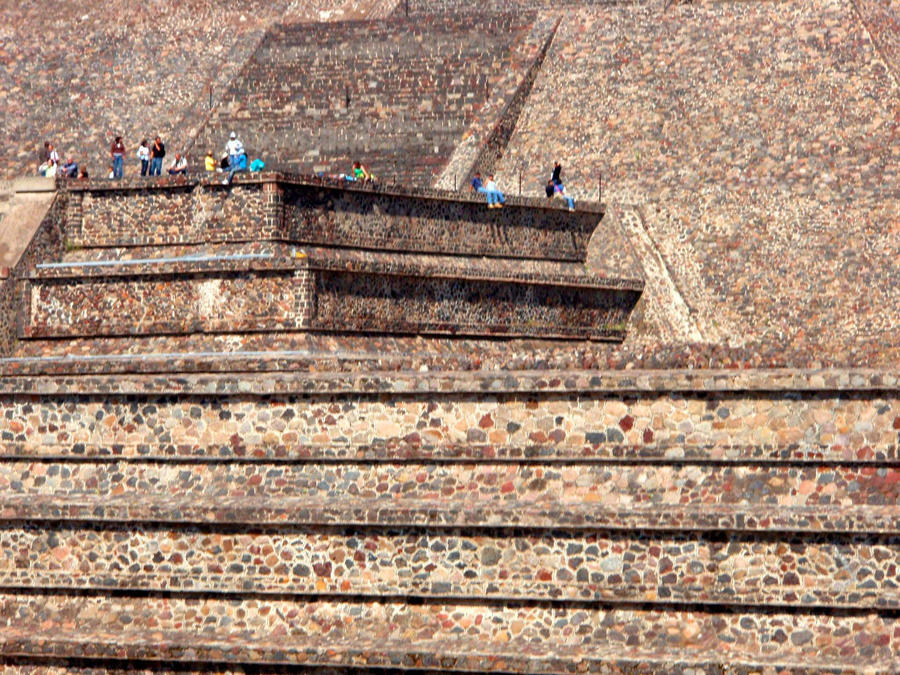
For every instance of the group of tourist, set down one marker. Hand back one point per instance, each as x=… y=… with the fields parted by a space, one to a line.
x=51 y=166
x=151 y=159
x=234 y=160
x=496 y=200
x=151 y=156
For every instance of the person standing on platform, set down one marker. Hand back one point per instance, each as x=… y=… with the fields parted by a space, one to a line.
x=117 y=151
x=157 y=153
x=143 y=154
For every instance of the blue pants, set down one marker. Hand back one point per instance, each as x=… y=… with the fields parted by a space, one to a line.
x=117 y=166
x=235 y=168
x=493 y=196
x=156 y=166
x=145 y=163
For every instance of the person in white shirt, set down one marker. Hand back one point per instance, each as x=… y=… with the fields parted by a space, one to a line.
x=179 y=165
x=234 y=148
x=495 y=198
x=143 y=154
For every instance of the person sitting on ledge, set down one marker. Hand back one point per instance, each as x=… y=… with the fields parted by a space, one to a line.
x=554 y=189
x=495 y=198
x=360 y=173
x=238 y=163
x=83 y=174
x=70 y=168
x=257 y=165
x=209 y=162
x=179 y=165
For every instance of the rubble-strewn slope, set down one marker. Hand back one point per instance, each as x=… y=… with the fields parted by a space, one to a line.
x=760 y=146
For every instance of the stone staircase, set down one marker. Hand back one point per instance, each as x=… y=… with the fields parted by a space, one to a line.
x=511 y=522
x=396 y=94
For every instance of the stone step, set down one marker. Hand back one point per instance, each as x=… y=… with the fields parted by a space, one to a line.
x=430 y=80
x=321 y=510
x=470 y=636
x=602 y=566
x=414 y=448
x=269 y=416
x=624 y=486
x=249 y=292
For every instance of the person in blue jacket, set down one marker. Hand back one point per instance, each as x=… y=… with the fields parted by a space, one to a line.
x=239 y=163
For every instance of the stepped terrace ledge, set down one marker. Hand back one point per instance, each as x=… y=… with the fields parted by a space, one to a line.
x=275 y=252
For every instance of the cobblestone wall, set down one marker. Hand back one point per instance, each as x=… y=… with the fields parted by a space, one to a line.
x=168 y=213
x=302 y=297
x=425 y=8
x=723 y=428
x=525 y=639
x=334 y=217
x=608 y=528
x=276 y=207
x=605 y=565
x=237 y=302
x=375 y=265
x=466 y=307
x=48 y=243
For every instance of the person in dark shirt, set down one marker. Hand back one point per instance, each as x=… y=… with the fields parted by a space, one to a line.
x=477 y=183
x=157 y=152
x=557 y=174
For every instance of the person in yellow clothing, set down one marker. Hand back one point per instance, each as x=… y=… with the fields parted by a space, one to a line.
x=210 y=162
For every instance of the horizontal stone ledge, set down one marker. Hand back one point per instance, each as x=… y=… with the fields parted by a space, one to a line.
x=755 y=570
x=313 y=511
x=688 y=598
x=440 y=266
x=384 y=296
x=469 y=636
x=824 y=491
x=115 y=364
x=357 y=262
x=401 y=450
x=425 y=381
x=176 y=265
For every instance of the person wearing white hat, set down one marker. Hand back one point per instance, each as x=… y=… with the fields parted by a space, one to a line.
x=234 y=148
